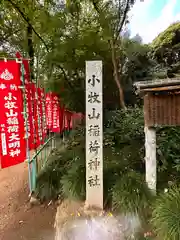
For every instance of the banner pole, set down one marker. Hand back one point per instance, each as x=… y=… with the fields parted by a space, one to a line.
x=26 y=128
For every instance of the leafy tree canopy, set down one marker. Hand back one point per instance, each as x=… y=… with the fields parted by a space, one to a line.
x=166 y=46
x=59 y=39
x=168 y=38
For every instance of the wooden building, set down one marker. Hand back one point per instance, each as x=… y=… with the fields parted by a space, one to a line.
x=161 y=108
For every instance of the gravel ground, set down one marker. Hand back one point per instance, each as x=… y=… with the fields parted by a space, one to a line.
x=18 y=220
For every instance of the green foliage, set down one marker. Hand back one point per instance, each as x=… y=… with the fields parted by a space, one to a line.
x=165 y=46
x=135 y=59
x=166 y=215
x=117 y=162
x=125 y=189
x=168 y=144
x=123 y=132
x=123 y=164
x=63 y=41
x=165 y=38
x=74 y=181
x=126 y=125
x=49 y=179
x=131 y=194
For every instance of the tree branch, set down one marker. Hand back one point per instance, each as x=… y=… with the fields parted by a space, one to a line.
x=37 y=34
x=95 y=4
x=28 y=22
x=67 y=80
x=123 y=19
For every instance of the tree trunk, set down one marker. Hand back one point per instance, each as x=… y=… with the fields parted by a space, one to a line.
x=117 y=77
x=30 y=48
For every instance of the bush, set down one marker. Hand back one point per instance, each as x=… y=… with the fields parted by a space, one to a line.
x=166 y=215
x=126 y=127
x=168 y=157
x=131 y=194
x=74 y=181
x=48 y=184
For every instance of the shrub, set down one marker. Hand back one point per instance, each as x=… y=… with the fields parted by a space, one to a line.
x=74 y=181
x=126 y=127
x=168 y=157
x=130 y=194
x=48 y=185
x=166 y=215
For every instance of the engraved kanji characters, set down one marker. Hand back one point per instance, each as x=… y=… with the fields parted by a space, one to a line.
x=93 y=80
x=94 y=181
x=93 y=98
x=94 y=130
x=94 y=115
x=94 y=164
x=94 y=147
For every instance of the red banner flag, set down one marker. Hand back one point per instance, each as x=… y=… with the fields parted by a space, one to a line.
x=44 y=126
x=55 y=113
x=29 y=101
x=49 y=110
x=40 y=116
x=13 y=145
x=29 y=110
x=35 y=107
x=18 y=55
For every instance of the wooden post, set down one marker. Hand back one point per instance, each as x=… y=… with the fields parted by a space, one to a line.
x=53 y=141
x=150 y=158
x=94 y=135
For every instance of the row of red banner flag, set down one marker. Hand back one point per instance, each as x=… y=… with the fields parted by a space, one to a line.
x=44 y=113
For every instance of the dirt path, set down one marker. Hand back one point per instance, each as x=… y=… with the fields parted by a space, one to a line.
x=19 y=221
